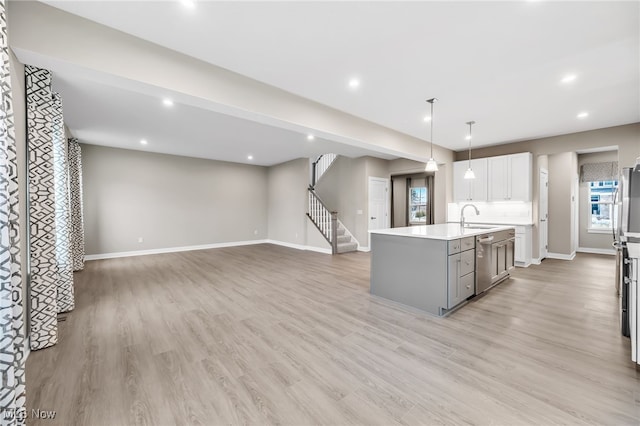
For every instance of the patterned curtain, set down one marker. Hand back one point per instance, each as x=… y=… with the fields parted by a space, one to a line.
x=12 y=341
x=593 y=172
x=51 y=282
x=75 y=195
x=63 y=232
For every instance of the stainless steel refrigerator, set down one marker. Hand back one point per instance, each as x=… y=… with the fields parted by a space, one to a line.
x=627 y=241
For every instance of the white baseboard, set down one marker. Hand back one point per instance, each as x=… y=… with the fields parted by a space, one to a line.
x=170 y=250
x=203 y=247
x=611 y=252
x=561 y=256
x=364 y=249
x=536 y=261
x=299 y=246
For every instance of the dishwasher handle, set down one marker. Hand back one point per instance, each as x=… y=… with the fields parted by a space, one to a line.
x=485 y=240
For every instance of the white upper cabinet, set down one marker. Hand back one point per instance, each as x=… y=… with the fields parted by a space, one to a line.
x=461 y=187
x=503 y=178
x=510 y=177
x=470 y=189
x=520 y=177
x=498 y=176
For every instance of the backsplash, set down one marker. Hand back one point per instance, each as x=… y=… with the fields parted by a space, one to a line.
x=508 y=213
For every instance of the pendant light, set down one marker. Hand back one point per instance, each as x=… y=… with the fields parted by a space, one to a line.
x=432 y=166
x=469 y=173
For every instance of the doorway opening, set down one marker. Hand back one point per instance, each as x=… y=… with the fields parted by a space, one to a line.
x=412 y=200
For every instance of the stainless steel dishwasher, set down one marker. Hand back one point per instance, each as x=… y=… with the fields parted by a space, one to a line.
x=494 y=258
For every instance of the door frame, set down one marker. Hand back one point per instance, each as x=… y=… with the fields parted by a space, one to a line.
x=541 y=241
x=387 y=204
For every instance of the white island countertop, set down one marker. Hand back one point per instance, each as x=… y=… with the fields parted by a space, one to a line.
x=443 y=231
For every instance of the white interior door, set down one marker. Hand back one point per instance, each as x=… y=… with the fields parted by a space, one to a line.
x=378 y=203
x=544 y=212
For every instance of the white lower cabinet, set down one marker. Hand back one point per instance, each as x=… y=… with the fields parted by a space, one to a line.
x=523 y=244
x=519 y=249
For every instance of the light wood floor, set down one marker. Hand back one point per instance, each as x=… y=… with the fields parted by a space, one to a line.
x=270 y=335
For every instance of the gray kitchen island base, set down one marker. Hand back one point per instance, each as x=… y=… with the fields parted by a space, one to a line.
x=433 y=267
x=402 y=270
x=429 y=274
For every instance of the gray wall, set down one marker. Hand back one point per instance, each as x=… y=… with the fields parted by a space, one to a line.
x=586 y=239
x=399 y=205
x=287 y=202
x=169 y=201
x=287 y=205
x=626 y=138
x=345 y=189
x=560 y=203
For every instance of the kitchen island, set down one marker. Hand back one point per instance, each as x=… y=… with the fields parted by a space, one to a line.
x=429 y=267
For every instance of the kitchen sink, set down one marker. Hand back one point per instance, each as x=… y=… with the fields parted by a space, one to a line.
x=479 y=227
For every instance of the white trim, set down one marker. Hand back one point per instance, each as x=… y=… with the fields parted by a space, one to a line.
x=201 y=247
x=27 y=348
x=596 y=250
x=298 y=246
x=600 y=231
x=561 y=256
x=543 y=242
x=536 y=261
x=364 y=249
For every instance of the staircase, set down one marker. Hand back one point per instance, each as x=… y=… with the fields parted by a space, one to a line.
x=346 y=243
x=325 y=220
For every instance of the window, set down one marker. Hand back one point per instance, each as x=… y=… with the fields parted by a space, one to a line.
x=603 y=213
x=418 y=205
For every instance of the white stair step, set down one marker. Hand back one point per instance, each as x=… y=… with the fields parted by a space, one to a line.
x=344 y=239
x=347 y=247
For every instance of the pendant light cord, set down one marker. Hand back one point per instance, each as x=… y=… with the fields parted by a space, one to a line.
x=470 y=123
x=431 y=101
x=431 y=127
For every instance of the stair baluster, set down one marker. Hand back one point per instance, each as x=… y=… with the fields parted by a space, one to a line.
x=321 y=165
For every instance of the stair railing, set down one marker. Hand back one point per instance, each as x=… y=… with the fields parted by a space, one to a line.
x=320 y=166
x=326 y=221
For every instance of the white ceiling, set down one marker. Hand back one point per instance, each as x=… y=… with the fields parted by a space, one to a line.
x=498 y=63
x=111 y=116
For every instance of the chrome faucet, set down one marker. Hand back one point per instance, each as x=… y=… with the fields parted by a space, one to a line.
x=462 y=213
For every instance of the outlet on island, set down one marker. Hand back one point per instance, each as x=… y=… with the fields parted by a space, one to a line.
x=140 y=239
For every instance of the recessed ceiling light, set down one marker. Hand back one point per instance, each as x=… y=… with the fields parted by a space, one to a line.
x=427 y=118
x=188 y=3
x=167 y=102
x=310 y=137
x=143 y=142
x=583 y=115
x=568 y=78
x=354 y=83
x=467 y=138
x=249 y=157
